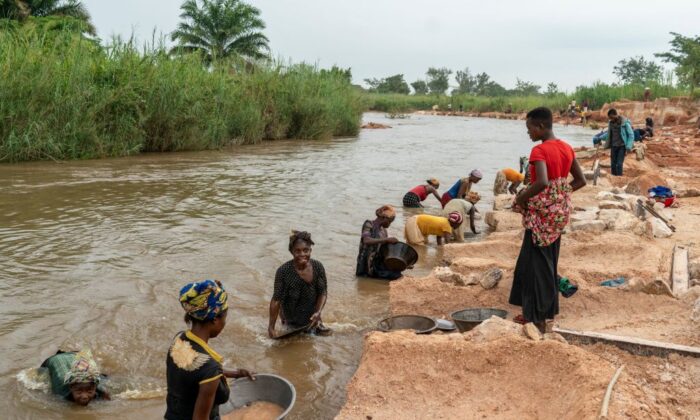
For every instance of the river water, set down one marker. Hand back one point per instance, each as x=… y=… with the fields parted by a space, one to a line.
x=93 y=253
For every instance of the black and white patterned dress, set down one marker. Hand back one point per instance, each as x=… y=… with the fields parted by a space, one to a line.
x=297 y=297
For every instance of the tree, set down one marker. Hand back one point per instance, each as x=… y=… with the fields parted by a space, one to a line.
x=420 y=87
x=487 y=87
x=637 y=70
x=219 y=29
x=391 y=84
x=22 y=9
x=524 y=88
x=438 y=80
x=552 y=89
x=685 y=54
x=465 y=81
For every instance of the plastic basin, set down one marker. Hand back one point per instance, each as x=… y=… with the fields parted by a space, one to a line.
x=265 y=387
x=398 y=256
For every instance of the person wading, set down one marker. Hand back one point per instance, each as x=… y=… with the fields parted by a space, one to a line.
x=374 y=235
x=195 y=374
x=545 y=205
x=418 y=194
x=461 y=188
x=300 y=289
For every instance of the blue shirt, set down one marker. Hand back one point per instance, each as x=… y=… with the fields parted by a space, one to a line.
x=455 y=189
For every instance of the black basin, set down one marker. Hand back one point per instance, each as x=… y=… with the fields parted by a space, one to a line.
x=398 y=256
x=466 y=319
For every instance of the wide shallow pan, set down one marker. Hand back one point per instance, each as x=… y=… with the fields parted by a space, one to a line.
x=418 y=323
x=466 y=319
x=265 y=387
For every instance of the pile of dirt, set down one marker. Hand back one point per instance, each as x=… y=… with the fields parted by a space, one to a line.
x=403 y=375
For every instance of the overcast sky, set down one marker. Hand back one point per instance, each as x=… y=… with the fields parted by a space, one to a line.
x=566 y=42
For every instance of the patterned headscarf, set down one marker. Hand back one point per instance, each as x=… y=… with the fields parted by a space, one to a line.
x=83 y=370
x=386 y=211
x=476 y=174
x=204 y=300
x=455 y=217
x=434 y=182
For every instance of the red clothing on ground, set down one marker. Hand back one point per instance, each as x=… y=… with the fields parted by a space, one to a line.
x=421 y=191
x=557 y=154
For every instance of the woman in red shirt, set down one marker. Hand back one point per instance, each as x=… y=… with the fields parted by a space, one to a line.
x=545 y=205
x=418 y=194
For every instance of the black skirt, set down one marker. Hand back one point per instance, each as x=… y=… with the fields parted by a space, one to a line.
x=411 y=199
x=535 y=280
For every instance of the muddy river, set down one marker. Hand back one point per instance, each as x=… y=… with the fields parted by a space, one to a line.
x=93 y=253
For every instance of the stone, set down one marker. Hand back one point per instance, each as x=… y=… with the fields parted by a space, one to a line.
x=657 y=287
x=612 y=204
x=659 y=229
x=490 y=278
x=617 y=190
x=502 y=221
x=694 y=268
x=471 y=280
x=532 y=332
x=556 y=337
x=583 y=215
x=641 y=184
x=589 y=226
x=666 y=377
x=695 y=315
x=634 y=284
x=690 y=192
x=502 y=202
x=618 y=219
x=446 y=275
x=605 y=195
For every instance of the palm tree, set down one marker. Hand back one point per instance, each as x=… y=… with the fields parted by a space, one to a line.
x=21 y=9
x=221 y=28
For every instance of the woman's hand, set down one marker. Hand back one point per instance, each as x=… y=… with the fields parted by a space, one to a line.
x=239 y=373
x=391 y=240
x=315 y=319
x=521 y=201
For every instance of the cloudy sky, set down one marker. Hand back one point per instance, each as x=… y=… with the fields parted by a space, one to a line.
x=566 y=42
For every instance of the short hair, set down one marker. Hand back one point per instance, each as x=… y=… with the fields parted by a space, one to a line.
x=542 y=115
x=611 y=112
x=299 y=236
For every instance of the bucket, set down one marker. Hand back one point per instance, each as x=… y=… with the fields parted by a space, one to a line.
x=398 y=256
x=265 y=387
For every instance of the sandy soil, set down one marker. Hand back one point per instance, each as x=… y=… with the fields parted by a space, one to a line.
x=403 y=375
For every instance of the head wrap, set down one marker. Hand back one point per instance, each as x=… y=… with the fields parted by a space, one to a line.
x=434 y=182
x=476 y=174
x=204 y=300
x=387 y=211
x=83 y=370
x=455 y=217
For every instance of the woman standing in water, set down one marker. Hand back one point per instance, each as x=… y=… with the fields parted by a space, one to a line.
x=300 y=289
x=195 y=373
x=418 y=194
x=374 y=235
x=545 y=205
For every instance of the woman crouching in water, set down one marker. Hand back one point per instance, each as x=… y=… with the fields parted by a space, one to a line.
x=300 y=289
x=195 y=374
x=545 y=205
x=374 y=235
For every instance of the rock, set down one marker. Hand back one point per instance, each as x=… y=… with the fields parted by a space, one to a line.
x=532 y=332
x=612 y=204
x=641 y=184
x=634 y=284
x=493 y=329
x=471 y=280
x=618 y=219
x=659 y=228
x=501 y=221
x=490 y=278
x=583 y=215
x=695 y=315
x=616 y=190
x=690 y=192
x=666 y=377
x=589 y=226
x=691 y=295
x=605 y=195
x=502 y=202
x=556 y=337
x=694 y=282
x=694 y=268
x=446 y=275
x=657 y=287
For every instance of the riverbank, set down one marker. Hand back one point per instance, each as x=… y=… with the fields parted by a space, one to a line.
x=65 y=97
x=497 y=371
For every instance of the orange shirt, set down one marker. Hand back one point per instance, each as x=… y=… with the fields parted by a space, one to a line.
x=512 y=175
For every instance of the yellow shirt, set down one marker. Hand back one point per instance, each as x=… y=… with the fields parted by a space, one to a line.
x=433 y=225
x=512 y=175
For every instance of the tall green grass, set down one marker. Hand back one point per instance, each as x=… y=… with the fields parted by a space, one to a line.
x=65 y=97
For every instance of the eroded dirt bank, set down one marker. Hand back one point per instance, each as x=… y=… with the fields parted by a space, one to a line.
x=497 y=370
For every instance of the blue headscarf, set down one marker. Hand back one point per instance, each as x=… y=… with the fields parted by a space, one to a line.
x=204 y=300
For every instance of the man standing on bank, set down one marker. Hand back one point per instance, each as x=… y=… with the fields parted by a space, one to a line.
x=620 y=140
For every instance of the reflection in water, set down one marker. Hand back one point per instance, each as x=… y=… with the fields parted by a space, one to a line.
x=93 y=253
